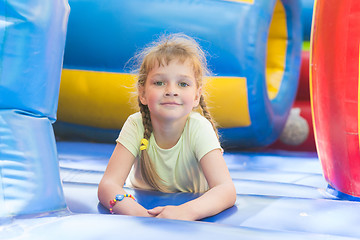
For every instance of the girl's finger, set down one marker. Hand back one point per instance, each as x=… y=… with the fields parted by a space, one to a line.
x=155 y=211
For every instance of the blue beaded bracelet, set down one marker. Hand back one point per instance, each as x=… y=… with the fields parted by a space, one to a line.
x=118 y=198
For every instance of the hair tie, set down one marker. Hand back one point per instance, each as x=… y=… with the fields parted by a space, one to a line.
x=144 y=144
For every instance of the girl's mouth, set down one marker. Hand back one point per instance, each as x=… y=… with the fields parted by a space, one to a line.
x=170 y=104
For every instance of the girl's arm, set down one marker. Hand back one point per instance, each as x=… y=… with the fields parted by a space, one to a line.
x=113 y=181
x=220 y=196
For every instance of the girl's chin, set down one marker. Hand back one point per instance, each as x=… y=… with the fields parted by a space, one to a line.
x=169 y=116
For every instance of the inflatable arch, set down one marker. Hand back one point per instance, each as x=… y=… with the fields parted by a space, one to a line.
x=334 y=88
x=254 y=51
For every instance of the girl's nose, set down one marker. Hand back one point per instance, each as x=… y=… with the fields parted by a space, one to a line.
x=171 y=94
x=170 y=91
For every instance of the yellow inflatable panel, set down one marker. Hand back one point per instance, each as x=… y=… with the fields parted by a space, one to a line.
x=276 y=51
x=97 y=99
x=222 y=94
x=105 y=100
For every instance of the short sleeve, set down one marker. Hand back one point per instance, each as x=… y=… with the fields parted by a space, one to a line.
x=205 y=138
x=131 y=134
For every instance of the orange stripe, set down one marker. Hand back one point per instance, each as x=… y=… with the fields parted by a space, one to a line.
x=310 y=74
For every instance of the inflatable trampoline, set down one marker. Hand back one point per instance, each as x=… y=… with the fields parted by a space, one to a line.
x=74 y=61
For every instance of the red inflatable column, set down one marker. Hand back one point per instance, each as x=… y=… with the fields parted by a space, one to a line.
x=334 y=87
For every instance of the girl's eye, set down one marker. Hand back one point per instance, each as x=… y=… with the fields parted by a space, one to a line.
x=183 y=84
x=159 y=83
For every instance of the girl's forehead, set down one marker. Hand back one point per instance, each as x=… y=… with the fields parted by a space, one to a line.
x=182 y=66
x=165 y=61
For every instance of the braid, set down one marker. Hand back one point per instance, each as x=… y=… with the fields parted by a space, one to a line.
x=148 y=171
x=207 y=114
x=145 y=113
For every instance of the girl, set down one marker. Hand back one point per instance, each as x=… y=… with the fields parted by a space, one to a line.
x=167 y=146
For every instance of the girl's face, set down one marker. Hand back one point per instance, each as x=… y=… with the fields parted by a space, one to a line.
x=170 y=91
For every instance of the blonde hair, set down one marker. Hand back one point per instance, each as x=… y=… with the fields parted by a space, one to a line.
x=168 y=48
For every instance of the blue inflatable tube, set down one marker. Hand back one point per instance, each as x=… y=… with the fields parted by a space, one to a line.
x=32 y=38
x=254 y=52
x=307 y=7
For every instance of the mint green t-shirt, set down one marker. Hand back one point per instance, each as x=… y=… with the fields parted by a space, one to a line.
x=178 y=166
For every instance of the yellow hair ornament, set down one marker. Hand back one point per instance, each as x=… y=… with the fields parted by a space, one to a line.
x=144 y=144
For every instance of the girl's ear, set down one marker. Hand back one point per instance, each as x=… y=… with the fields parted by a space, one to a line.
x=197 y=97
x=142 y=95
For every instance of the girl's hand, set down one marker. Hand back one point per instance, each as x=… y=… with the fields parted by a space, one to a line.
x=171 y=212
